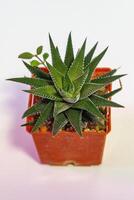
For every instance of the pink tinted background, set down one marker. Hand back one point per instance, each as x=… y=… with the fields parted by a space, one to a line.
x=24 y=26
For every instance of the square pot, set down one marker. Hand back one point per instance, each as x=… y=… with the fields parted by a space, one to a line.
x=68 y=147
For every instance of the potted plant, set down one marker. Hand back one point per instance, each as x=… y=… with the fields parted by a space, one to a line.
x=69 y=109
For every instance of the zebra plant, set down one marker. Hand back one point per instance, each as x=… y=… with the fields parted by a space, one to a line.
x=68 y=90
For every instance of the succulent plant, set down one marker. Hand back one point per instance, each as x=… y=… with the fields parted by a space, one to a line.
x=68 y=91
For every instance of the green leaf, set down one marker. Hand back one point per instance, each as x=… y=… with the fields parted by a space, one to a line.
x=89 y=56
x=33 y=109
x=76 y=68
x=45 y=114
x=57 y=49
x=70 y=98
x=110 y=73
x=89 y=89
x=67 y=84
x=77 y=52
x=100 y=101
x=79 y=82
x=107 y=79
x=60 y=107
x=45 y=56
x=60 y=121
x=26 y=55
x=36 y=82
x=95 y=62
x=37 y=71
x=35 y=63
x=56 y=76
x=110 y=94
x=56 y=59
x=107 y=74
x=48 y=92
x=31 y=123
x=89 y=106
x=90 y=117
x=39 y=50
x=74 y=117
x=69 y=56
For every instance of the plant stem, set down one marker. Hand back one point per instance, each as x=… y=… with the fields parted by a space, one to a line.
x=40 y=59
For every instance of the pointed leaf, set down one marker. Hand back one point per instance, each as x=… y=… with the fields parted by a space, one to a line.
x=89 y=56
x=33 y=109
x=110 y=73
x=56 y=59
x=56 y=76
x=100 y=122
x=36 y=82
x=76 y=68
x=100 y=101
x=31 y=123
x=37 y=71
x=95 y=62
x=60 y=107
x=90 y=117
x=67 y=84
x=70 y=98
x=45 y=114
x=107 y=74
x=69 y=56
x=26 y=55
x=48 y=92
x=89 y=106
x=60 y=121
x=107 y=79
x=57 y=49
x=89 y=89
x=110 y=94
x=77 y=52
x=79 y=82
x=74 y=117
x=39 y=50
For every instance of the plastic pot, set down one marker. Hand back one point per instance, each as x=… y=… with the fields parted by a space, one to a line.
x=68 y=147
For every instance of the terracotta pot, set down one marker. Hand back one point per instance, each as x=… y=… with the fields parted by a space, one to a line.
x=69 y=147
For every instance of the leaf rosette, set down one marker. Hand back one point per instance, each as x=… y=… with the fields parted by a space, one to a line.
x=68 y=88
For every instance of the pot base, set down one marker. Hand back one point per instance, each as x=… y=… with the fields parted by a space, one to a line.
x=69 y=148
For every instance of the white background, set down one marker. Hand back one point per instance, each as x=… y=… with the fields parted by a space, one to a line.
x=24 y=25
